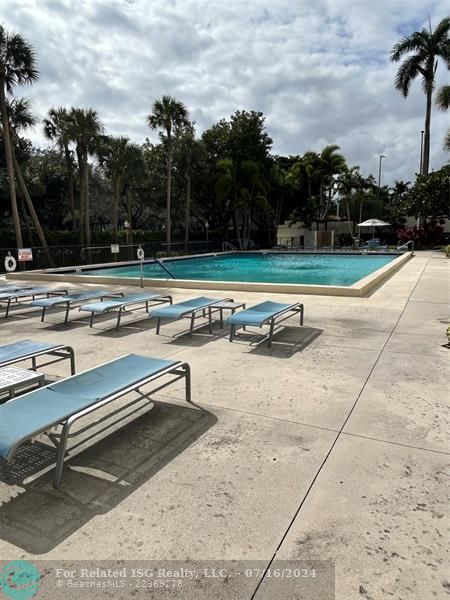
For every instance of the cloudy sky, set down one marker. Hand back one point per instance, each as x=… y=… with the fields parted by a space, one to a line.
x=319 y=71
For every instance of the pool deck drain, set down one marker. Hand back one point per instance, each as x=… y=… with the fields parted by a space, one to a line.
x=332 y=444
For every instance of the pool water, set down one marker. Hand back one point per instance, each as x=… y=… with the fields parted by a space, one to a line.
x=313 y=269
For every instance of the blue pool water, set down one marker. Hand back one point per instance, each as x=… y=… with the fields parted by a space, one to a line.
x=314 y=269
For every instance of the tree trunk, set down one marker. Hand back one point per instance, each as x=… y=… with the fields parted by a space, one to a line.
x=347 y=210
x=187 y=224
x=129 y=215
x=81 y=192
x=115 y=211
x=236 y=228
x=169 y=196
x=426 y=142
x=34 y=216
x=9 y=165
x=70 y=186
x=26 y=218
x=87 y=207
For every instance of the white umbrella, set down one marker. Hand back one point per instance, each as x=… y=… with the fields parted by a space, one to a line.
x=373 y=223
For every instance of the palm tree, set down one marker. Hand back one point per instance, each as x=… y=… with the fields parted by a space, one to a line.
x=118 y=156
x=423 y=49
x=85 y=130
x=17 y=67
x=443 y=101
x=167 y=114
x=187 y=155
x=20 y=118
x=331 y=164
x=57 y=127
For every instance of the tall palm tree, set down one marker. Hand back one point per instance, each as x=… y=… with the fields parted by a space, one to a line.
x=20 y=118
x=85 y=131
x=423 y=49
x=57 y=127
x=17 y=67
x=331 y=164
x=443 y=101
x=167 y=114
x=117 y=155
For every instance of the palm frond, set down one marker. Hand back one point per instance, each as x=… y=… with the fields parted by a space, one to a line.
x=443 y=97
x=447 y=141
x=19 y=113
x=407 y=72
x=416 y=42
x=17 y=60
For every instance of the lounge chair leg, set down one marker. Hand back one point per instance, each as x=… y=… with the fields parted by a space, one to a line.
x=210 y=320
x=72 y=360
x=118 y=318
x=187 y=376
x=43 y=314
x=60 y=456
x=67 y=314
x=91 y=320
x=272 y=324
x=191 y=328
x=232 y=332
x=158 y=324
x=301 y=314
x=8 y=304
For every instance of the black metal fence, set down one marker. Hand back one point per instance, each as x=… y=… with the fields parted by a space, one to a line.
x=70 y=256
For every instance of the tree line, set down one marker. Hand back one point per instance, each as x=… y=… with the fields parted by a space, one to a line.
x=226 y=179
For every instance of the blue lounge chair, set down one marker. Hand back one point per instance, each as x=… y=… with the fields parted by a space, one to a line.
x=120 y=304
x=67 y=401
x=23 y=350
x=265 y=313
x=71 y=300
x=188 y=308
x=5 y=289
x=26 y=293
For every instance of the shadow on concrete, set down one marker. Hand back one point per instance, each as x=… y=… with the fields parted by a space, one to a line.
x=29 y=312
x=286 y=342
x=39 y=518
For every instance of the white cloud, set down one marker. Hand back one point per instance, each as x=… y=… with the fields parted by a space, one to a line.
x=321 y=74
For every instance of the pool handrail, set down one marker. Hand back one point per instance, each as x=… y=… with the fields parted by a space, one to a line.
x=162 y=266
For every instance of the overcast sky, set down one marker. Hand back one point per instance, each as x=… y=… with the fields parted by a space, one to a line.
x=319 y=71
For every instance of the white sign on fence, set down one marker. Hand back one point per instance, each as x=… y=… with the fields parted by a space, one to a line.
x=115 y=248
x=25 y=254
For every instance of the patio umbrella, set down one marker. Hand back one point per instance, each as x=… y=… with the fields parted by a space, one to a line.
x=373 y=223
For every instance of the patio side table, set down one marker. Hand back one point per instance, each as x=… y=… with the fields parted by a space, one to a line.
x=226 y=305
x=13 y=378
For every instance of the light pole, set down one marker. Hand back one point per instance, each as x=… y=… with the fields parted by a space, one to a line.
x=127 y=227
x=379 y=185
x=337 y=197
x=421 y=152
x=207 y=234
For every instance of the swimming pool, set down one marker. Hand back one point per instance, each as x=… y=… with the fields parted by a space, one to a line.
x=277 y=268
x=329 y=274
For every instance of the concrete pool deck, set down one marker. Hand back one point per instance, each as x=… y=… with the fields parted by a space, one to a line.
x=330 y=445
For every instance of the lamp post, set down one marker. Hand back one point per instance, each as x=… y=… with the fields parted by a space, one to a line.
x=421 y=152
x=379 y=185
x=207 y=234
x=337 y=197
x=127 y=227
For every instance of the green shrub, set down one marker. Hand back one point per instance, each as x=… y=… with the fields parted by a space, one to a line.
x=447 y=251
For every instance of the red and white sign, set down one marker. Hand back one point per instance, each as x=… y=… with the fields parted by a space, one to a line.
x=25 y=254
